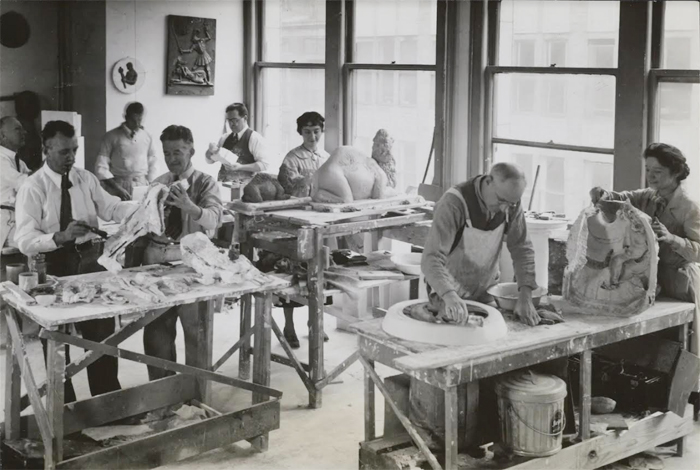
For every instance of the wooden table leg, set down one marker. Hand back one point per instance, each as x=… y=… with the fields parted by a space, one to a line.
x=683 y=331
x=370 y=414
x=585 y=396
x=205 y=340
x=451 y=427
x=261 y=356
x=12 y=390
x=316 y=265
x=244 y=351
x=56 y=369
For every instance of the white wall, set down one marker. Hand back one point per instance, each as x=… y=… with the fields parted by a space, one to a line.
x=33 y=66
x=138 y=29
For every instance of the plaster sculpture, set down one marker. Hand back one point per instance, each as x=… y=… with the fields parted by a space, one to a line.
x=382 y=145
x=612 y=256
x=412 y=321
x=349 y=175
x=263 y=187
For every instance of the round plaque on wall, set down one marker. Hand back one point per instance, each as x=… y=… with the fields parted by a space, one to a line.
x=14 y=30
x=128 y=75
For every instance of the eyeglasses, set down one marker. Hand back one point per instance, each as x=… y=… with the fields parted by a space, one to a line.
x=505 y=202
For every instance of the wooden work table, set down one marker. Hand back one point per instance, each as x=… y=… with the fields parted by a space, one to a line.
x=51 y=421
x=449 y=367
x=290 y=228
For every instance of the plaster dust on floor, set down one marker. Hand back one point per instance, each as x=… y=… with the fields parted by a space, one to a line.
x=326 y=438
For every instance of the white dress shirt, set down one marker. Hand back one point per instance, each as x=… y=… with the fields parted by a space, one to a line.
x=256 y=145
x=11 y=178
x=39 y=207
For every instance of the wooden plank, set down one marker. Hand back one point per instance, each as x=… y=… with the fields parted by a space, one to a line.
x=339 y=369
x=157 y=362
x=285 y=361
x=184 y=442
x=301 y=372
x=236 y=346
x=471 y=411
x=370 y=411
x=391 y=211
x=55 y=367
x=585 y=374
x=372 y=225
x=393 y=202
x=415 y=234
x=611 y=446
x=119 y=404
x=399 y=414
x=13 y=389
x=315 y=280
x=90 y=357
x=253 y=208
x=246 y=321
x=20 y=353
x=451 y=428
x=205 y=342
x=262 y=350
x=305 y=243
x=21 y=296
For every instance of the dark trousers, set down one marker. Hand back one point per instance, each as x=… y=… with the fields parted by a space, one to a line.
x=159 y=338
x=103 y=373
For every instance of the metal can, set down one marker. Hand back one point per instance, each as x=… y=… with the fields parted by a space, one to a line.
x=37 y=264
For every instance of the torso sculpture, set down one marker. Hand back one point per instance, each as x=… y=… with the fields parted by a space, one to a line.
x=612 y=255
x=349 y=175
x=263 y=187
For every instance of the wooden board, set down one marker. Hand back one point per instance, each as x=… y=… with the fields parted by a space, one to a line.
x=395 y=202
x=52 y=317
x=252 y=208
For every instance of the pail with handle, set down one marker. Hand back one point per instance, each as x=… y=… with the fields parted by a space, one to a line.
x=531 y=413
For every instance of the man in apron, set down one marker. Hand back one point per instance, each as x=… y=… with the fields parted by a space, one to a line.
x=460 y=262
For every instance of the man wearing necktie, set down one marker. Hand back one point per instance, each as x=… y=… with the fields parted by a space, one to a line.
x=242 y=152
x=192 y=206
x=13 y=172
x=56 y=207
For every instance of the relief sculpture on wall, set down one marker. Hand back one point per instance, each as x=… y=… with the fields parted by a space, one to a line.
x=612 y=255
x=191 y=55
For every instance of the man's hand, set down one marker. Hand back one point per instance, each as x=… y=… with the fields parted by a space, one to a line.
x=456 y=308
x=662 y=233
x=117 y=190
x=75 y=229
x=231 y=166
x=597 y=194
x=178 y=197
x=525 y=309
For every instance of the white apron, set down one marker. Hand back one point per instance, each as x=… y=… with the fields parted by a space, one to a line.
x=474 y=261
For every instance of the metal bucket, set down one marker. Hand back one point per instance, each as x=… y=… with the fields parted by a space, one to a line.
x=531 y=413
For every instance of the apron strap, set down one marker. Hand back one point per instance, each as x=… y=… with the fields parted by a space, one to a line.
x=467 y=222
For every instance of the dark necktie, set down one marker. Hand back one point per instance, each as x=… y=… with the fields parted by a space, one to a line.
x=66 y=209
x=173 y=226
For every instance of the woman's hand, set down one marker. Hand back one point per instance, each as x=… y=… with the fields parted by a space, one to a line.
x=662 y=233
x=597 y=194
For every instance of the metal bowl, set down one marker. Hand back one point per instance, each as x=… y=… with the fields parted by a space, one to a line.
x=506 y=295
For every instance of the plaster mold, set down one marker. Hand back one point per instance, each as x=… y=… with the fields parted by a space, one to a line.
x=398 y=323
x=612 y=256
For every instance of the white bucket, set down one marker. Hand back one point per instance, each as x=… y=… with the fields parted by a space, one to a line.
x=531 y=413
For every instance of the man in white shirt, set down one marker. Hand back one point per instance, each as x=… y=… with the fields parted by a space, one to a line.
x=13 y=172
x=127 y=156
x=242 y=152
x=56 y=206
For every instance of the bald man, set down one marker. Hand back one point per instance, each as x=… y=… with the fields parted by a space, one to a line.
x=13 y=172
x=460 y=259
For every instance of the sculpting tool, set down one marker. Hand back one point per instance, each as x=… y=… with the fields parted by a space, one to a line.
x=96 y=231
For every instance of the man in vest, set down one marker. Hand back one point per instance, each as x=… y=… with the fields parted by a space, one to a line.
x=13 y=172
x=242 y=152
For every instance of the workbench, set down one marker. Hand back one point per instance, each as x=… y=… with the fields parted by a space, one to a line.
x=451 y=367
x=291 y=229
x=52 y=421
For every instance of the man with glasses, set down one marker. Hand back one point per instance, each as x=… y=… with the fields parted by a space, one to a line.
x=242 y=152
x=461 y=254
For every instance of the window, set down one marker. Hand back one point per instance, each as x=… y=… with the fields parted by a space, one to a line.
x=293 y=31
x=681 y=36
x=399 y=67
x=556 y=52
x=574 y=23
x=535 y=109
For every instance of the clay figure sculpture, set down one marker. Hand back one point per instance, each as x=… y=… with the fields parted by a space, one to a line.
x=349 y=175
x=131 y=75
x=381 y=153
x=612 y=256
x=263 y=187
x=413 y=321
x=148 y=218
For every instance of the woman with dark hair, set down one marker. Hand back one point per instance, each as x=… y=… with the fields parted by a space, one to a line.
x=676 y=223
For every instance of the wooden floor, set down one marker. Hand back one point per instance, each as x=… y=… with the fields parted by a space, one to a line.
x=327 y=438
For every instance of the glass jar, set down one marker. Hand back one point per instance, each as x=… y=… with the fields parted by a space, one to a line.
x=37 y=264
